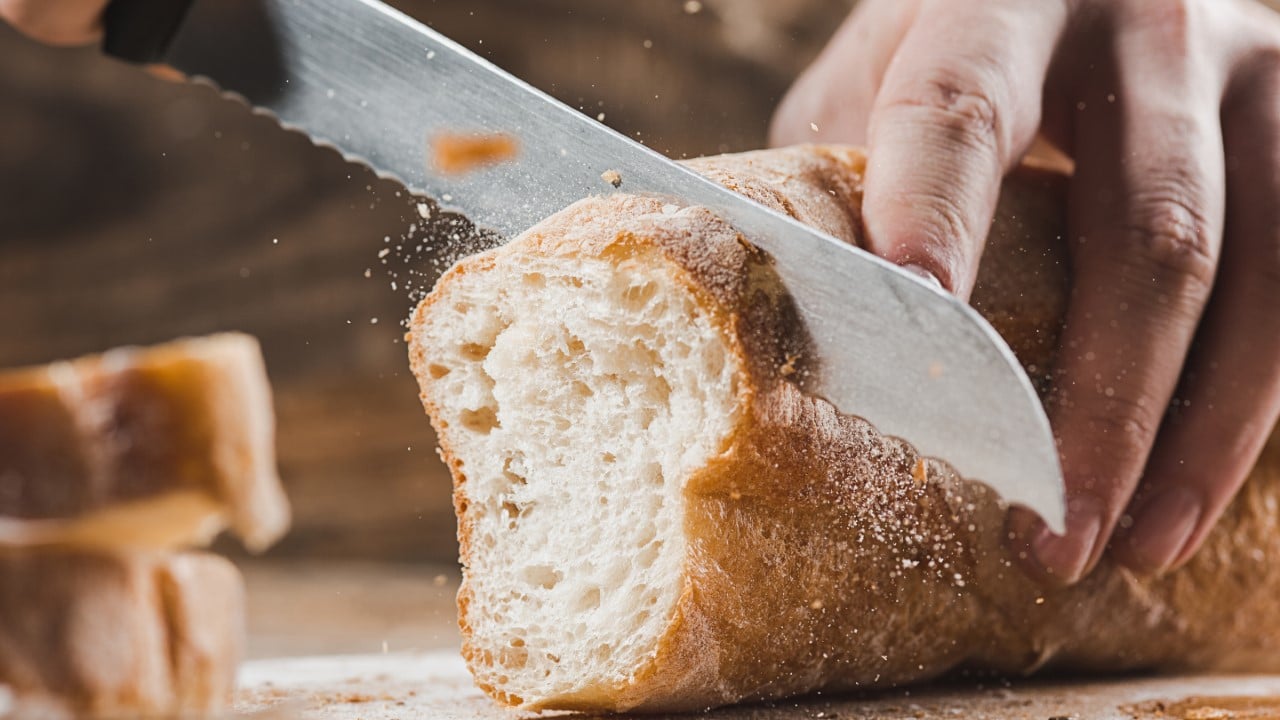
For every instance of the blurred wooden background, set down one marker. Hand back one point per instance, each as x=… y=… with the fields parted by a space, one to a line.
x=134 y=210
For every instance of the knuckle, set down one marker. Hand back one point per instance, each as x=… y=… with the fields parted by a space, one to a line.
x=965 y=107
x=1171 y=241
x=1107 y=437
x=1121 y=423
x=1173 y=21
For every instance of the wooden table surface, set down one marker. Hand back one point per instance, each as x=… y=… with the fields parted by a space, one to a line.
x=436 y=685
x=348 y=641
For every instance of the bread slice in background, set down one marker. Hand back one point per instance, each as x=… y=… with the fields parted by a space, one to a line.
x=654 y=515
x=110 y=466
x=106 y=634
x=148 y=447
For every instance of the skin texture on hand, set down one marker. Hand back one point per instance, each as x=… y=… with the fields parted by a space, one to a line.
x=1168 y=376
x=56 y=22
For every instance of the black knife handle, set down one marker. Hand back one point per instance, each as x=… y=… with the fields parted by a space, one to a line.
x=139 y=31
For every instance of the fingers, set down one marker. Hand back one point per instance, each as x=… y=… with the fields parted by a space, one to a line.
x=1146 y=210
x=832 y=100
x=959 y=104
x=1230 y=399
x=60 y=22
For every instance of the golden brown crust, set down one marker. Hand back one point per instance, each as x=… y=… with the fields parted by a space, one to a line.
x=132 y=426
x=824 y=555
x=102 y=635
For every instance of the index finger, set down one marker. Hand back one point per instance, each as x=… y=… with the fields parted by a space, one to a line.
x=66 y=22
x=959 y=105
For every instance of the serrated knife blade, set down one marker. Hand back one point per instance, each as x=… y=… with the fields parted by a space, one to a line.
x=376 y=84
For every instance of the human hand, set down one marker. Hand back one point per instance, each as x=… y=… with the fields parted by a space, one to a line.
x=56 y=22
x=1168 y=375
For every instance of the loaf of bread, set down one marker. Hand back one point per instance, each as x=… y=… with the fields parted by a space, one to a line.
x=102 y=634
x=147 y=447
x=654 y=515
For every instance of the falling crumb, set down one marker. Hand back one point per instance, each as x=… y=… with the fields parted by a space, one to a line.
x=368 y=273
x=440 y=580
x=600 y=117
x=424 y=211
x=384 y=647
x=373 y=321
x=458 y=153
x=692 y=7
x=613 y=177
x=815 y=605
x=813 y=126
x=384 y=252
x=648 y=44
x=1039 y=601
x=275 y=241
x=920 y=471
x=789 y=367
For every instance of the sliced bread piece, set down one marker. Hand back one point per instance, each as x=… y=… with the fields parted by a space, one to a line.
x=141 y=447
x=654 y=515
x=101 y=634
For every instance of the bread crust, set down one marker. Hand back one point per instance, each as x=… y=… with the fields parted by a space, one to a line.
x=823 y=555
x=121 y=431
x=96 y=634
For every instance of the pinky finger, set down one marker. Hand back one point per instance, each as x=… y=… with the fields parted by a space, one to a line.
x=1231 y=387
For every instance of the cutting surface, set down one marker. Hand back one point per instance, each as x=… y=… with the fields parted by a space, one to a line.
x=318 y=631
x=436 y=685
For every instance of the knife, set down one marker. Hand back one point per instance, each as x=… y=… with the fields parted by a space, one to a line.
x=376 y=84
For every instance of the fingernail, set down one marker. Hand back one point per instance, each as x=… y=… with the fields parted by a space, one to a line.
x=1161 y=528
x=1066 y=557
x=922 y=272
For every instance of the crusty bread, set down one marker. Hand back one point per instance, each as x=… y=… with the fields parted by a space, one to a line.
x=141 y=447
x=653 y=515
x=99 y=634
x=108 y=464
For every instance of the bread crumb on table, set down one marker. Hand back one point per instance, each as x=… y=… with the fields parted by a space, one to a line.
x=613 y=177
x=454 y=153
